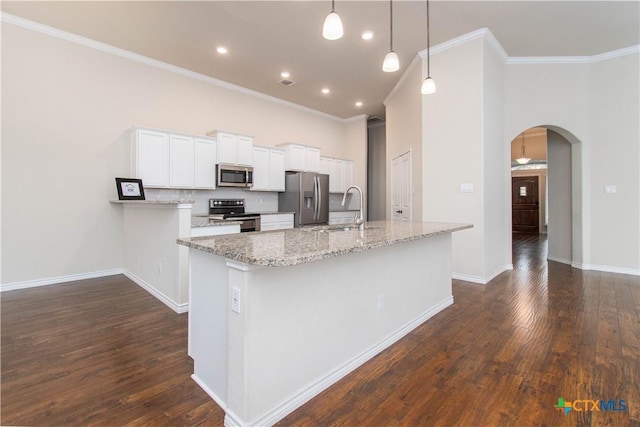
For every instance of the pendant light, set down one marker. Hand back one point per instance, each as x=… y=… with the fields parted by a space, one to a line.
x=391 y=62
x=332 y=29
x=428 y=85
x=523 y=160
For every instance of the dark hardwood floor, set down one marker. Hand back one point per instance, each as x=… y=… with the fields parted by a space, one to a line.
x=104 y=352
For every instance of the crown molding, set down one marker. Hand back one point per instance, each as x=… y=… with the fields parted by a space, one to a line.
x=83 y=41
x=355 y=118
x=528 y=60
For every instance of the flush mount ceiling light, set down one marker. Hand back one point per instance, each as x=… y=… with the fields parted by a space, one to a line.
x=332 y=28
x=367 y=35
x=285 y=74
x=325 y=90
x=222 y=50
x=428 y=85
x=358 y=103
x=523 y=160
x=391 y=62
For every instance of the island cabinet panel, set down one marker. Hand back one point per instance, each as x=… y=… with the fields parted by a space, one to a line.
x=310 y=307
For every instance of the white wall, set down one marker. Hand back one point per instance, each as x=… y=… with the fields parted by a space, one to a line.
x=65 y=107
x=461 y=144
x=453 y=141
x=560 y=213
x=404 y=132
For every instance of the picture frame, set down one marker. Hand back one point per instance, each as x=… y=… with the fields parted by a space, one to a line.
x=130 y=189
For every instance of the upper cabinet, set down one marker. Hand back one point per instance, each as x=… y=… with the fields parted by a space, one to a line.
x=233 y=148
x=300 y=157
x=340 y=173
x=268 y=169
x=170 y=160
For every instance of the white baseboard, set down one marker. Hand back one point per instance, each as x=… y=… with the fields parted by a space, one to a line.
x=178 y=308
x=607 y=268
x=560 y=260
x=479 y=279
x=302 y=396
x=60 y=279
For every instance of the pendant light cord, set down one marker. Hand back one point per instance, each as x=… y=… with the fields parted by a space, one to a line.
x=428 y=44
x=333 y=6
x=391 y=24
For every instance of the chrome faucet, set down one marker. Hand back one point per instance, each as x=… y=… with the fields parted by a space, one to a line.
x=360 y=217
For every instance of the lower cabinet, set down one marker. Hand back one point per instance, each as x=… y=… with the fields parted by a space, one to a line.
x=269 y=222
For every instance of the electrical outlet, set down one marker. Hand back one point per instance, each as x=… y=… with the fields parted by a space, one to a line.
x=235 y=300
x=380 y=302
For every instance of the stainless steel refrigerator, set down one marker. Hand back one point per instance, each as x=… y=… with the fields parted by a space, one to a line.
x=307 y=195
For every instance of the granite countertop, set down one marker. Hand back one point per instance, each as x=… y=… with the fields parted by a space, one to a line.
x=301 y=245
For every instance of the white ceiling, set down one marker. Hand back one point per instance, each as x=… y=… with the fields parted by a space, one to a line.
x=267 y=37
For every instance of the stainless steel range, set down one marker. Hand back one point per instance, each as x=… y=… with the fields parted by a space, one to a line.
x=233 y=210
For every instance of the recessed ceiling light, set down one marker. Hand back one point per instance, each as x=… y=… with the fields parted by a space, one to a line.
x=367 y=35
x=222 y=50
x=285 y=74
x=325 y=90
x=358 y=103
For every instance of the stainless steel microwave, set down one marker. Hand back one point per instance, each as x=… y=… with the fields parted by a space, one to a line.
x=234 y=176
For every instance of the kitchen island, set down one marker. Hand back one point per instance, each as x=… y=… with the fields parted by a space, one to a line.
x=277 y=317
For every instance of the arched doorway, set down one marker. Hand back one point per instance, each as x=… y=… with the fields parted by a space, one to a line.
x=555 y=160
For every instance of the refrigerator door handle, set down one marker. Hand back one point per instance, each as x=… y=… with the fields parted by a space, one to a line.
x=319 y=197
x=316 y=195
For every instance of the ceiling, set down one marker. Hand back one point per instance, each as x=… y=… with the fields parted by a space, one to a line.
x=265 y=38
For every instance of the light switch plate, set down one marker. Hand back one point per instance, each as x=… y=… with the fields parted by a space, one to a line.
x=235 y=300
x=610 y=189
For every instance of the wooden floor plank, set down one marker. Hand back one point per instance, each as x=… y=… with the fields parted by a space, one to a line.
x=104 y=352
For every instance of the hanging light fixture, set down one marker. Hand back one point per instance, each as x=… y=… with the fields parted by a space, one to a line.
x=428 y=85
x=332 y=29
x=523 y=160
x=391 y=62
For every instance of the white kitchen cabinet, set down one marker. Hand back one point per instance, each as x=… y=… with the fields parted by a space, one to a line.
x=233 y=148
x=268 y=169
x=270 y=222
x=172 y=160
x=204 y=163
x=340 y=173
x=276 y=170
x=301 y=158
x=181 y=165
x=150 y=157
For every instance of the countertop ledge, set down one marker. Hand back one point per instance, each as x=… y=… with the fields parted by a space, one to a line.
x=301 y=245
x=155 y=202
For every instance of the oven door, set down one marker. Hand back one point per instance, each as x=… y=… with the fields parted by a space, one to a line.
x=249 y=224
x=234 y=176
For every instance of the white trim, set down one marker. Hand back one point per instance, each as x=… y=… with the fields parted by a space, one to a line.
x=607 y=269
x=481 y=280
x=403 y=78
x=73 y=38
x=302 y=396
x=356 y=118
x=558 y=259
x=529 y=60
x=178 y=308
x=60 y=279
x=242 y=266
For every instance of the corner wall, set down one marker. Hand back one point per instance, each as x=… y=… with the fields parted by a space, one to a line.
x=65 y=107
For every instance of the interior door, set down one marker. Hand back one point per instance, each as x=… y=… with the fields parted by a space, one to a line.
x=525 y=215
x=401 y=188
